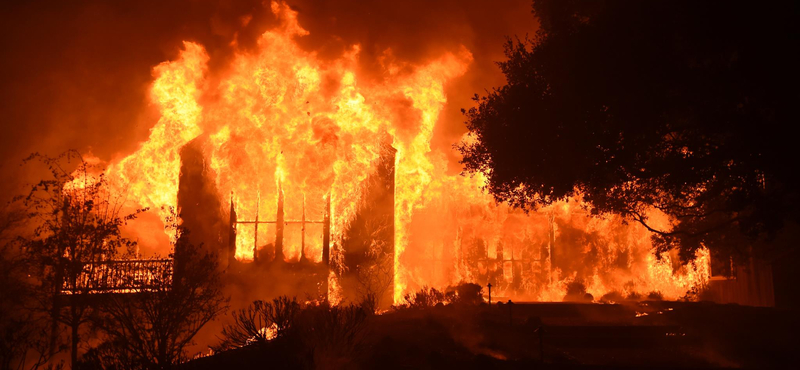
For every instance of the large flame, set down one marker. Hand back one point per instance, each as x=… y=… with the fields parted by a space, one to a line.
x=281 y=119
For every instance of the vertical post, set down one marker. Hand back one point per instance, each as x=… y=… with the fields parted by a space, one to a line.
x=326 y=244
x=541 y=342
x=326 y=232
x=255 y=234
x=74 y=323
x=514 y=271
x=499 y=255
x=510 y=313
x=58 y=286
x=435 y=264
x=279 y=226
x=303 y=231
x=490 y=294
x=459 y=249
x=391 y=163
x=232 y=233
x=551 y=241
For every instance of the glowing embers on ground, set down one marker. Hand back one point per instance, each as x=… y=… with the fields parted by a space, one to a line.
x=282 y=122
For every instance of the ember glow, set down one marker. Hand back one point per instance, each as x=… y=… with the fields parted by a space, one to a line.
x=281 y=121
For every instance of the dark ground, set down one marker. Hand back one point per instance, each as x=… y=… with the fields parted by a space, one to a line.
x=635 y=335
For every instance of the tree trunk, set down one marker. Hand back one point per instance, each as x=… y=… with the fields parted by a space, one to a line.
x=75 y=323
x=56 y=310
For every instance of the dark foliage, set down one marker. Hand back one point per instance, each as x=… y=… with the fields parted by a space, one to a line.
x=74 y=220
x=679 y=106
x=427 y=297
x=109 y=355
x=331 y=335
x=317 y=335
x=468 y=293
x=369 y=303
x=260 y=322
x=464 y=293
x=152 y=327
x=24 y=329
x=576 y=292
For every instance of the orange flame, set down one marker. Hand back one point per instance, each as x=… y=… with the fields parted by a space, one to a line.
x=281 y=120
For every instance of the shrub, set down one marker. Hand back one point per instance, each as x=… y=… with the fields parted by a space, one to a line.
x=260 y=322
x=576 y=292
x=611 y=297
x=331 y=335
x=369 y=303
x=469 y=293
x=633 y=296
x=464 y=293
x=424 y=298
x=110 y=354
x=282 y=313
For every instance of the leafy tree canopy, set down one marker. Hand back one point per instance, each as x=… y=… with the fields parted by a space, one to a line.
x=681 y=106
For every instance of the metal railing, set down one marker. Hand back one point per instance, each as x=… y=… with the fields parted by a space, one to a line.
x=121 y=276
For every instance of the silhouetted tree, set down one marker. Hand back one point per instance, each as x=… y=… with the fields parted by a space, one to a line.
x=24 y=330
x=681 y=106
x=75 y=221
x=152 y=326
x=108 y=356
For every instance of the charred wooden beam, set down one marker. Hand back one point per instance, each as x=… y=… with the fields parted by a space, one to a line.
x=255 y=233
x=279 y=223
x=232 y=233
x=326 y=232
x=303 y=231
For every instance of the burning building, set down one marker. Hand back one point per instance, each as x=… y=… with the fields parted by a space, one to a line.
x=295 y=246
x=307 y=178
